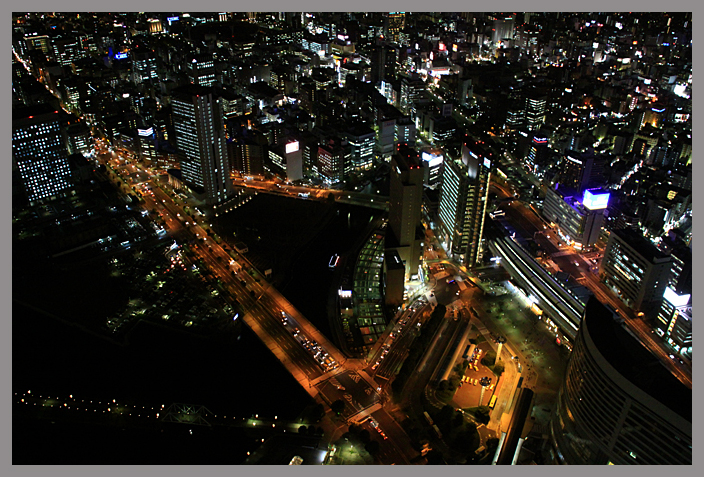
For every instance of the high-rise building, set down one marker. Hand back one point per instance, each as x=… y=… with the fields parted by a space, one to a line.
x=580 y=171
x=80 y=140
x=39 y=149
x=286 y=160
x=674 y=322
x=406 y=197
x=200 y=134
x=361 y=139
x=201 y=70
x=66 y=50
x=384 y=61
x=432 y=160
x=538 y=155
x=144 y=66
x=503 y=28
x=405 y=130
x=39 y=42
x=634 y=269
x=394 y=22
x=534 y=115
x=617 y=403
x=463 y=201
x=579 y=217
x=680 y=278
x=331 y=162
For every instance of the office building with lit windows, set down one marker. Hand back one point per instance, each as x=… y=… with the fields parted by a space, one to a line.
x=538 y=155
x=80 y=140
x=200 y=135
x=394 y=22
x=534 y=115
x=331 y=162
x=579 y=217
x=581 y=170
x=674 y=322
x=144 y=66
x=361 y=139
x=634 y=269
x=405 y=130
x=286 y=161
x=618 y=404
x=432 y=160
x=463 y=201
x=39 y=150
x=201 y=70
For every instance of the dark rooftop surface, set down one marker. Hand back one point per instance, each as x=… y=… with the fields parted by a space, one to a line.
x=393 y=261
x=640 y=244
x=33 y=110
x=634 y=362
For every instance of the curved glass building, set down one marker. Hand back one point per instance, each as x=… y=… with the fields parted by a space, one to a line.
x=618 y=404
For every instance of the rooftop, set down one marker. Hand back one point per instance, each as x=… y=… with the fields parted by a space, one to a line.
x=641 y=245
x=635 y=362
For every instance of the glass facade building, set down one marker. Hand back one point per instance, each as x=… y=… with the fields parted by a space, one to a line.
x=200 y=134
x=39 y=148
x=463 y=200
x=617 y=403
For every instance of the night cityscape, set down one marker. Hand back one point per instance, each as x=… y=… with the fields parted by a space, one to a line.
x=296 y=238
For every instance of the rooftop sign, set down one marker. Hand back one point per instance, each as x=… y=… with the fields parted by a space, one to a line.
x=595 y=199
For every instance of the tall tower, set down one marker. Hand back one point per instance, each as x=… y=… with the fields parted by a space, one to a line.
x=200 y=134
x=636 y=270
x=405 y=201
x=463 y=200
x=536 y=103
x=201 y=70
x=617 y=403
x=394 y=22
x=39 y=149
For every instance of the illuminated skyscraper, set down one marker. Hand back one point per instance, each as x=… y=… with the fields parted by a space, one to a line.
x=463 y=199
x=579 y=217
x=635 y=270
x=201 y=70
x=535 y=109
x=144 y=66
x=405 y=201
x=394 y=22
x=580 y=171
x=674 y=322
x=200 y=134
x=39 y=149
x=503 y=28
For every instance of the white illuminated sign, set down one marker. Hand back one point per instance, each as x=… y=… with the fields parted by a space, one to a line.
x=145 y=132
x=677 y=300
x=680 y=90
x=432 y=159
x=291 y=147
x=595 y=200
x=487 y=163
